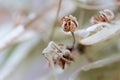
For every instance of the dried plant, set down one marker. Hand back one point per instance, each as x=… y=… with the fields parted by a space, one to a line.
x=59 y=54
x=103 y=16
x=31 y=27
x=99 y=22
x=69 y=24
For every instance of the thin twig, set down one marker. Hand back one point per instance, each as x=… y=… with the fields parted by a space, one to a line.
x=55 y=22
x=73 y=45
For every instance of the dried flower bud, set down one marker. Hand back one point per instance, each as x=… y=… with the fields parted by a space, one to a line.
x=103 y=16
x=68 y=23
x=59 y=54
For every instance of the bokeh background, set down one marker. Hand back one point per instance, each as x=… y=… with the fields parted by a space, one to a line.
x=27 y=26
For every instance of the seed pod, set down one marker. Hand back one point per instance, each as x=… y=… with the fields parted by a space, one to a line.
x=68 y=23
x=103 y=16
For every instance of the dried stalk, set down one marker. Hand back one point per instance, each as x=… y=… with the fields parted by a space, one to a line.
x=73 y=45
x=55 y=22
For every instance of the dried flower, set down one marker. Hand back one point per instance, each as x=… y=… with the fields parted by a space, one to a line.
x=103 y=16
x=65 y=57
x=59 y=53
x=68 y=23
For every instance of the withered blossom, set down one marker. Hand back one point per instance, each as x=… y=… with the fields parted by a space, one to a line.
x=103 y=16
x=59 y=53
x=68 y=23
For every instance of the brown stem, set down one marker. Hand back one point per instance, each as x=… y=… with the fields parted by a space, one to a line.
x=73 y=45
x=55 y=22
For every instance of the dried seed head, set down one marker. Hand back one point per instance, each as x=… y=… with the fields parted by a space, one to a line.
x=65 y=57
x=59 y=53
x=68 y=23
x=103 y=16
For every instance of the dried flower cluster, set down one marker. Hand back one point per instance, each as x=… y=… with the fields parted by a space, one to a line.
x=68 y=23
x=62 y=55
x=103 y=16
x=59 y=53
